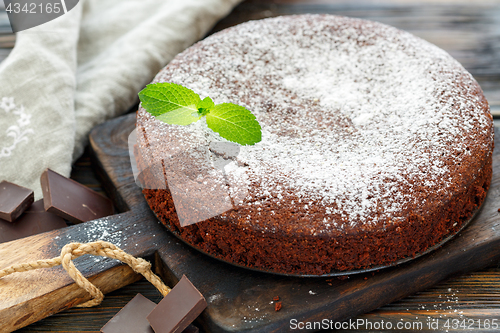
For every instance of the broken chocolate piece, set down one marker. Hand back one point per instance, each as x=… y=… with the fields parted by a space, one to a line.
x=132 y=318
x=35 y=220
x=178 y=309
x=14 y=200
x=71 y=200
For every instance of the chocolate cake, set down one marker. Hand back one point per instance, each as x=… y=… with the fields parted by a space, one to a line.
x=376 y=144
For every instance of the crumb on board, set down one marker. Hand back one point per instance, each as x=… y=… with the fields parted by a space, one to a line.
x=277 y=306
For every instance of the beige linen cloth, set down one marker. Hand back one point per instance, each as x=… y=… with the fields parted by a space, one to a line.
x=66 y=76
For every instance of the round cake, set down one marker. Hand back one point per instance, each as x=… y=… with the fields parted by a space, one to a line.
x=376 y=144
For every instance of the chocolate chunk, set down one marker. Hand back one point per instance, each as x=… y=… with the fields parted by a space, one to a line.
x=132 y=318
x=178 y=309
x=14 y=200
x=71 y=200
x=35 y=220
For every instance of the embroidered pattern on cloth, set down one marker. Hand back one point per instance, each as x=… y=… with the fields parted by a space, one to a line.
x=18 y=132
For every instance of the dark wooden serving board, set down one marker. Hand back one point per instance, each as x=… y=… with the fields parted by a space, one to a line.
x=239 y=300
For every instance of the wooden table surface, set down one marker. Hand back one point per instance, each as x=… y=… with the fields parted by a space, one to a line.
x=470 y=32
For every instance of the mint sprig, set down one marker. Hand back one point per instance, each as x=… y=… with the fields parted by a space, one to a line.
x=178 y=105
x=205 y=106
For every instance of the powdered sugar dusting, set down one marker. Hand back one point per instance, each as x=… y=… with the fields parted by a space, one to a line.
x=353 y=113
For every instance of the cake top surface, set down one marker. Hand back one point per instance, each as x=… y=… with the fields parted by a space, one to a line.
x=359 y=120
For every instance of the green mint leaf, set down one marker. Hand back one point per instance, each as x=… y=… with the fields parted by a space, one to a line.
x=205 y=106
x=234 y=123
x=171 y=103
x=184 y=116
x=177 y=105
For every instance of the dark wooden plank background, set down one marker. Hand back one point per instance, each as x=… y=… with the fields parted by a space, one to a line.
x=468 y=31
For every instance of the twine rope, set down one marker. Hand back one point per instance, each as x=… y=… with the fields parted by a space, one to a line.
x=98 y=248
